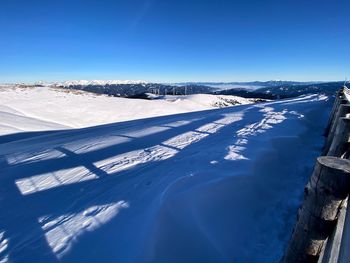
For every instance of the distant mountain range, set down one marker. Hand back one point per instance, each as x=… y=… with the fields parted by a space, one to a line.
x=285 y=90
x=133 y=88
x=272 y=89
x=90 y=82
x=250 y=83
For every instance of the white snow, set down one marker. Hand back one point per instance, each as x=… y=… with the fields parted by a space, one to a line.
x=218 y=185
x=100 y=82
x=61 y=232
x=54 y=179
x=45 y=108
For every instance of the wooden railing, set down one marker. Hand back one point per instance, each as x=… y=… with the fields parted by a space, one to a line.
x=321 y=222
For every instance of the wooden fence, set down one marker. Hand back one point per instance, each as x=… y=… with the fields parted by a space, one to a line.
x=319 y=234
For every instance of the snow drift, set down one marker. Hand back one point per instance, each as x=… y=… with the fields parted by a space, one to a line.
x=45 y=108
x=213 y=186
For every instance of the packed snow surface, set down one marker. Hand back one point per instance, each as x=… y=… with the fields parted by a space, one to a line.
x=212 y=186
x=45 y=108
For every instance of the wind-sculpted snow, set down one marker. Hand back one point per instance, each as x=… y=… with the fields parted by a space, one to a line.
x=44 y=108
x=212 y=186
x=270 y=118
x=53 y=179
x=63 y=230
x=164 y=150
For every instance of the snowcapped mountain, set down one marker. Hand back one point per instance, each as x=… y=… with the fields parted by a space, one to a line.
x=100 y=82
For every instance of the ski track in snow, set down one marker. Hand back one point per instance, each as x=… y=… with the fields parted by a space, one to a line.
x=165 y=189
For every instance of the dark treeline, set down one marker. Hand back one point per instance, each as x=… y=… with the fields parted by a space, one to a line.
x=285 y=91
x=137 y=90
x=275 y=91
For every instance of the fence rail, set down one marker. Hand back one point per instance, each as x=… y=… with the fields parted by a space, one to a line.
x=322 y=231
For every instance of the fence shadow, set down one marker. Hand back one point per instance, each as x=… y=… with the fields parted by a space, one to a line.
x=44 y=209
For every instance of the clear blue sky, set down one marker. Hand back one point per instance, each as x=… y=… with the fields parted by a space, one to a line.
x=179 y=40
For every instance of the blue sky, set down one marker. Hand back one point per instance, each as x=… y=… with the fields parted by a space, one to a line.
x=170 y=41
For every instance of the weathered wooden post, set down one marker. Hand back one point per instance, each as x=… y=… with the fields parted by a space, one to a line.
x=340 y=102
x=343 y=109
x=328 y=187
x=338 y=97
x=340 y=142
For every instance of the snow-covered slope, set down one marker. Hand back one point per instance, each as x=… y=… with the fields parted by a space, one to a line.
x=44 y=108
x=212 y=186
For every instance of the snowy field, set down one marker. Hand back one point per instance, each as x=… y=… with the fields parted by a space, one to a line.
x=212 y=186
x=44 y=108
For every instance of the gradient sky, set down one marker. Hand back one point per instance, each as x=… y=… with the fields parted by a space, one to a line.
x=171 y=41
